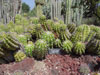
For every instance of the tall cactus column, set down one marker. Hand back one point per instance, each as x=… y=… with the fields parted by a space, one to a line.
x=68 y=11
x=39 y=4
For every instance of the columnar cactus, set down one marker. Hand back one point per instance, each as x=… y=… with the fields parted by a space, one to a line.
x=79 y=48
x=67 y=46
x=19 y=56
x=41 y=49
x=29 y=48
x=57 y=43
x=49 y=37
x=71 y=27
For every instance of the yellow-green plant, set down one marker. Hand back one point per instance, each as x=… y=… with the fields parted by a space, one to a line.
x=19 y=56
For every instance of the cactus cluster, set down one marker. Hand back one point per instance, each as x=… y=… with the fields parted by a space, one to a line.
x=41 y=49
x=8 y=46
x=37 y=35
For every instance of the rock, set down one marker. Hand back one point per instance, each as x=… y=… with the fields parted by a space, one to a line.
x=54 y=51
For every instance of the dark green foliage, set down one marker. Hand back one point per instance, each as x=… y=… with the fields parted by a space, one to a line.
x=25 y=8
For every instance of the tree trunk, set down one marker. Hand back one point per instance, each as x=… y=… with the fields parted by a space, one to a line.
x=8 y=10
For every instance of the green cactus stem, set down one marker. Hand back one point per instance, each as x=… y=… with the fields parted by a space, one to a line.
x=41 y=49
x=81 y=33
x=22 y=39
x=71 y=27
x=58 y=43
x=49 y=37
x=79 y=48
x=67 y=46
x=49 y=24
x=29 y=48
x=9 y=42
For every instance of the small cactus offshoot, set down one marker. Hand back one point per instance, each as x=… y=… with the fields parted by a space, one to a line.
x=79 y=48
x=19 y=56
x=67 y=46
x=41 y=49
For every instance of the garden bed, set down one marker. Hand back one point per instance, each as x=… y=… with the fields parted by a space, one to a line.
x=54 y=64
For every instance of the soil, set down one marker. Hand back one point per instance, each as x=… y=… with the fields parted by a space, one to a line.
x=53 y=64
